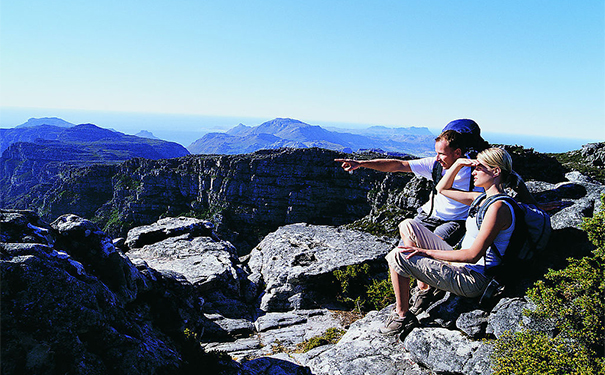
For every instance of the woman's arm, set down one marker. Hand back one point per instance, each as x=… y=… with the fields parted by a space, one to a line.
x=498 y=217
x=445 y=188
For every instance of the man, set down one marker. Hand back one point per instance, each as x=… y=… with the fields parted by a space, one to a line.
x=442 y=215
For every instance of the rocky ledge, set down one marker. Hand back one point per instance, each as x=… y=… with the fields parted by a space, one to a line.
x=75 y=300
x=175 y=297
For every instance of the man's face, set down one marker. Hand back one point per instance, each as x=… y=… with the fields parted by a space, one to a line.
x=446 y=156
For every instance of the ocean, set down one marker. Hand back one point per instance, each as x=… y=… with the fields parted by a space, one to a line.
x=186 y=129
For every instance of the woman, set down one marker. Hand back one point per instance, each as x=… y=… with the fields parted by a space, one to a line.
x=427 y=258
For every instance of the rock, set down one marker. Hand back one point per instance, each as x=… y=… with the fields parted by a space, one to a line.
x=59 y=315
x=444 y=351
x=473 y=323
x=278 y=320
x=279 y=332
x=506 y=316
x=221 y=328
x=87 y=244
x=274 y=365
x=582 y=207
x=362 y=350
x=206 y=263
x=298 y=259
x=166 y=228
x=188 y=247
x=594 y=153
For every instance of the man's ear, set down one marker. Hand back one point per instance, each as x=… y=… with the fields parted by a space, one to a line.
x=458 y=153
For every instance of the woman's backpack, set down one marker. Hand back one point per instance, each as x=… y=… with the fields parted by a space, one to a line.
x=530 y=236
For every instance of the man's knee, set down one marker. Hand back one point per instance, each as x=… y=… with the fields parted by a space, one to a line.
x=407 y=226
x=451 y=232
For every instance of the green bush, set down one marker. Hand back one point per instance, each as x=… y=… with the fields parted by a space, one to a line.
x=531 y=353
x=331 y=336
x=572 y=298
x=353 y=280
x=362 y=292
x=380 y=293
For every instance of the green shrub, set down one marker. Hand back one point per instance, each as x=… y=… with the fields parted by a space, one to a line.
x=573 y=299
x=531 y=353
x=331 y=336
x=353 y=280
x=380 y=293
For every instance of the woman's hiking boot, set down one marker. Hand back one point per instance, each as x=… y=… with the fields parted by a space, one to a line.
x=424 y=298
x=398 y=325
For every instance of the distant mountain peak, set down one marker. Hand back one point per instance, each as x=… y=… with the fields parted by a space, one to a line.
x=288 y=132
x=53 y=121
x=238 y=129
x=146 y=134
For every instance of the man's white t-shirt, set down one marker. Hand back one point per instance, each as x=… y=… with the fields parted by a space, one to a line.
x=445 y=208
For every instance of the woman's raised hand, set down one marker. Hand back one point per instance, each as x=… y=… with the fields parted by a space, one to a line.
x=464 y=162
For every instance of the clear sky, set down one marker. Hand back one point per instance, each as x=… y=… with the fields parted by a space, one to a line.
x=522 y=67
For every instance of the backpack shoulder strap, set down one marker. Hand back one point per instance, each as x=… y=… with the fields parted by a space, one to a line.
x=475 y=205
x=436 y=173
x=481 y=210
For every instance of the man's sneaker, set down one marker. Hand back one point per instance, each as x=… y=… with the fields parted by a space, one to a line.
x=396 y=324
x=424 y=299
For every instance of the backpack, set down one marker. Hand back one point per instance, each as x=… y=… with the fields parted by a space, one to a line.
x=530 y=236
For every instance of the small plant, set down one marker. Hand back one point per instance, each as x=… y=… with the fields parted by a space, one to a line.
x=380 y=293
x=361 y=291
x=353 y=280
x=278 y=347
x=331 y=336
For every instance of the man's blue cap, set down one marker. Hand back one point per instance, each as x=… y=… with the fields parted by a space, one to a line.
x=464 y=126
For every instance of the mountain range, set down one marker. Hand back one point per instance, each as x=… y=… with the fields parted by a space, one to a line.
x=53 y=136
x=286 y=132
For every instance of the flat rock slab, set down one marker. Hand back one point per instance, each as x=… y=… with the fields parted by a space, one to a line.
x=204 y=262
x=297 y=256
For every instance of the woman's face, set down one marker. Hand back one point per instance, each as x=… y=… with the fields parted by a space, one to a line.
x=484 y=175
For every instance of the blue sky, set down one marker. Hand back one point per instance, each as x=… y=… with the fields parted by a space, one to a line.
x=523 y=67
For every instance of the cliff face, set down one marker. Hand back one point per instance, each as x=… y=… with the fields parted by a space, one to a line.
x=246 y=196
x=34 y=158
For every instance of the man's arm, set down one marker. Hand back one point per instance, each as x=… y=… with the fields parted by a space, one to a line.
x=382 y=165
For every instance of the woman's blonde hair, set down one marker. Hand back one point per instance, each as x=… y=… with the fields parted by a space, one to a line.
x=496 y=157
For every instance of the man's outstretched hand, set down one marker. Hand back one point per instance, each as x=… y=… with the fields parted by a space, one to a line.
x=348 y=165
